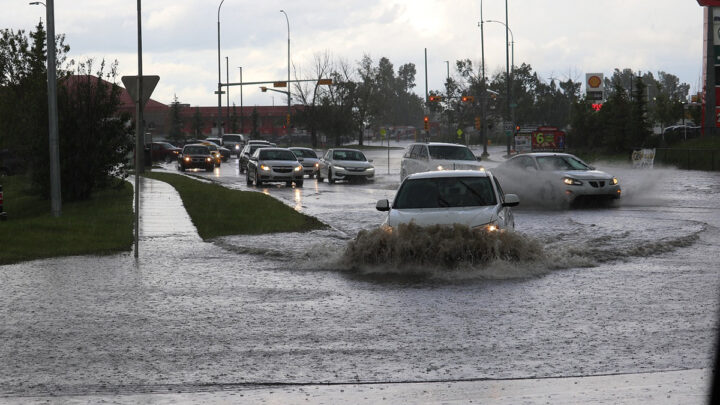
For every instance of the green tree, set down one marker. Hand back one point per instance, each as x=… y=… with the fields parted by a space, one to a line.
x=197 y=123
x=94 y=139
x=175 y=122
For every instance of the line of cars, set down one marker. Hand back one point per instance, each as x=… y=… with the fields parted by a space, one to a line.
x=445 y=184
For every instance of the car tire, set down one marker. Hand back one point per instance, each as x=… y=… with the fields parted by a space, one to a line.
x=288 y=184
x=181 y=168
x=330 y=177
x=258 y=182
x=209 y=169
x=299 y=183
x=168 y=159
x=319 y=177
x=247 y=179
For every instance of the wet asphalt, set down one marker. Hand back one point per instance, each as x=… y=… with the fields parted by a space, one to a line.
x=271 y=317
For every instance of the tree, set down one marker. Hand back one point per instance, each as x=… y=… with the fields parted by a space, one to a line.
x=197 y=123
x=175 y=121
x=94 y=139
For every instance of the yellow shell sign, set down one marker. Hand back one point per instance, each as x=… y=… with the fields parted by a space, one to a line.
x=594 y=82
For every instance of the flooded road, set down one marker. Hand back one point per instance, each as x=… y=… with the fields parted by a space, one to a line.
x=628 y=289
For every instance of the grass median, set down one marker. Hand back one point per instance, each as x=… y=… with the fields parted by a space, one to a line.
x=101 y=225
x=220 y=211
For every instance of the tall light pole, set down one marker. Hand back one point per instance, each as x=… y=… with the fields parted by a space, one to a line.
x=512 y=44
x=288 y=81
x=447 y=64
x=55 y=194
x=242 y=116
x=507 y=72
x=219 y=90
x=483 y=104
x=227 y=94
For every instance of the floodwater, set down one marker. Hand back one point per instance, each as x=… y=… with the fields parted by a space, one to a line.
x=627 y=289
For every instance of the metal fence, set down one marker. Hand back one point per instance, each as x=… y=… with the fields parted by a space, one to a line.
x=689 y=159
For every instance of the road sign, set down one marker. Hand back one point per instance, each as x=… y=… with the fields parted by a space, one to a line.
x=280 y=84
x=148 y=85
x=459 y=133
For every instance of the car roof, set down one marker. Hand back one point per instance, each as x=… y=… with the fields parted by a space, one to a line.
x=449 y=173
x=300 y=148
x=544 y=154
x=346 y=149
x=195 y=144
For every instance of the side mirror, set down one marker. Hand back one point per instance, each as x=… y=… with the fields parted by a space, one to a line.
x=179 y=155
x=382 y=205
x=370 y=160
x=300 y=159
x=511 y=200
x=479 y=158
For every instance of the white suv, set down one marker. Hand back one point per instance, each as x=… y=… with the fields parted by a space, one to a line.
x=434 y=156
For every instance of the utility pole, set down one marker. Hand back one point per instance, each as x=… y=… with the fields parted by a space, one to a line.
x=227 y=94
x=242 y=116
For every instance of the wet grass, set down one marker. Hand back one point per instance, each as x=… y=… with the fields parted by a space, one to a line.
x=220 y=211
x=101 y=225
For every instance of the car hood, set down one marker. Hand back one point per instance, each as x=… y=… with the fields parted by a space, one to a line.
x=457 y=164
x=585 y=174
x=470 y=216
x=352 y=163
x=279 y=162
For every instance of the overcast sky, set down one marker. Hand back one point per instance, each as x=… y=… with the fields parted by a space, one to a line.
x=558 y=38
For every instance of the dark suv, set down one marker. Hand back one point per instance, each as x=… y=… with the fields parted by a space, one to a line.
x=196 y=157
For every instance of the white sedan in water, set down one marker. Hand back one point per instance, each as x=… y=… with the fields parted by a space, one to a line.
x=557 y=179
x=466 y=197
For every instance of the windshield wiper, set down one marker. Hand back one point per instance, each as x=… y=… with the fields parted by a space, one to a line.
x=478 y=195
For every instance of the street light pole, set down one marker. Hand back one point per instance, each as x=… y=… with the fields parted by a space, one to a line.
x=483 y=104
x=242 y=117
x=288 y=82
x=55 y=192
x=447 y=64
x=219 y=90
x=227 y=94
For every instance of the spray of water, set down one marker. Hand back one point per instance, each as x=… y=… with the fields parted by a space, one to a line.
x=411 y=249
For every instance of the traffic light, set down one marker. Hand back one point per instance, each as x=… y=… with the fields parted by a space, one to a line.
x=467 y=99
x=426 y=122
x=435 y=99
x=478 y=123
x=517 y=129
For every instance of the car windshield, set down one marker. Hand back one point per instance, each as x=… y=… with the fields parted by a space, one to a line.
x=255 y=147
x=275 y=154
x=212 y=146
x=304 y=153
x=232 y=138
x=197 y=150
x=349 y=155
x=449 y=152
x=445 y=192
x=561 y=163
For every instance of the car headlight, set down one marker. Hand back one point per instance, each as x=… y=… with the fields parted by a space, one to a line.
x=489 y=227
x=298 y=168
x=481 y=168
x=339 y=168
x=265 y=168
x=237 y=147
x=571 y=182
x=614 y=181
x=208 y=159
x=370 y=169
x=317 y=165
x=440 y=167
x=187 y=159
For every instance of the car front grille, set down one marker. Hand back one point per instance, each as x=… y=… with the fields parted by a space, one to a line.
x=597 y=184
x=282 y=169
x=356 y=169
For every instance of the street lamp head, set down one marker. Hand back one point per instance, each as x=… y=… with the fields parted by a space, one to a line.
x=36 y=3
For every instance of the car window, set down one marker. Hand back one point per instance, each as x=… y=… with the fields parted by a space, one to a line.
x=451 y=152
x=304 y=153
x=232 y=138
x=445 y=192
x=274 y=154
x=414 y=151
x=197 y=150
x=422 y=152
x=501 y=193
x=348 y=155
x=408 y=151
x=328 y=155
x=560 y=163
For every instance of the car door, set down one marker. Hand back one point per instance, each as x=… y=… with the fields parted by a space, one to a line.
x=423 y=159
